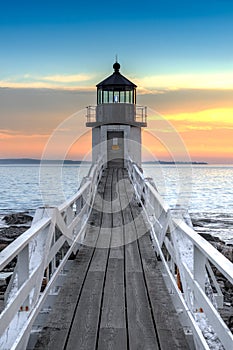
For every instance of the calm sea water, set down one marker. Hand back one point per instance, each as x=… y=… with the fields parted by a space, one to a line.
x=25 y=187
x=205 y=190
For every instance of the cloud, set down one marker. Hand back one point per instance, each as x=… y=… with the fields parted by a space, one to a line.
x=57 y=81
x=174 y=82
x=205 y=120
x=220 y=117
x=153 y=84
x=75 y=78
x=187 y=100
x=7 y=134
x=4 y=136
x=44 y=85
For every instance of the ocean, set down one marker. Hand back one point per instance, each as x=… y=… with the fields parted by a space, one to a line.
x=206 y=191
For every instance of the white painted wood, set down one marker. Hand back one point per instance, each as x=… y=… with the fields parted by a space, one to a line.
x=36 y=250
x=192 y=266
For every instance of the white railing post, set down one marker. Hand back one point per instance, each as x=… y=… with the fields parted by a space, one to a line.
x=199 y=273
x=23 y=273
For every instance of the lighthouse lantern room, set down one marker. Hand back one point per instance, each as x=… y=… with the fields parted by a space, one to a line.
x=116 y=121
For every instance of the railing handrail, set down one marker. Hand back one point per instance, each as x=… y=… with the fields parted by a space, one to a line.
x=12 y=250
x=219 y=260
x=168 y=234
x=36 y=251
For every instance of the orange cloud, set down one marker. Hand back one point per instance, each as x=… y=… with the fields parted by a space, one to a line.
x=210 y=81
x=206 y=134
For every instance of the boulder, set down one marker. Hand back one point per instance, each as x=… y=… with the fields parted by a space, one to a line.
x=17 y=219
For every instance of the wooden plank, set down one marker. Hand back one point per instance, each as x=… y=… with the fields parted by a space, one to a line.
x=85 y=327
x=113 y=333
x=117 y=223
x=141 y=330
x=140 y=324
x=170 y=332
x=131 y=250
x=113 y=309
x=84 y=330
x=132 y=258
x=117 y=253
x=104 y=238
x=106 y=224
x=98 y=262
x=112 y=339
x=93 y=228
x=54 y=334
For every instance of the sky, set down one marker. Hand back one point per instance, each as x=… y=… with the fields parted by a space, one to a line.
x=179 y=53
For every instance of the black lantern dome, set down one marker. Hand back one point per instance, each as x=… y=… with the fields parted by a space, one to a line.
x=116 y=88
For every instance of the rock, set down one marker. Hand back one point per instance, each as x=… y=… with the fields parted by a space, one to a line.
x=5 y=240
x=221 y=284
x=210 y=238
x=10 y=233
x=228 y=285
x=227 y=251
x=19 y=223
x=17 y=219
x=3 y=246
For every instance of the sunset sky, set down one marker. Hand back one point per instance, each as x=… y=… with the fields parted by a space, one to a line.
x=179 y=53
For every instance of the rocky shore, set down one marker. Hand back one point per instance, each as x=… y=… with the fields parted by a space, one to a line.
x=15 y=225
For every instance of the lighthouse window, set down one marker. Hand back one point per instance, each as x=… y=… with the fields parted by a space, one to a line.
x=105 y=97
x=122 y=96
x=110 y=96
x=116 y=96
x=127 y=96
x=99 y=96
x=130 y=97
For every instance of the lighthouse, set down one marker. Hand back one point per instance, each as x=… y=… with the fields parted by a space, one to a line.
x=116 y=121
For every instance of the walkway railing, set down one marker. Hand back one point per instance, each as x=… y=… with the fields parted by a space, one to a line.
x=41 y=253
x=43 y=250
x=187 y=260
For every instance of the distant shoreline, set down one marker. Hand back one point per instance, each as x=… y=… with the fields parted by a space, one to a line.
x=31 y=161
x=174 y=163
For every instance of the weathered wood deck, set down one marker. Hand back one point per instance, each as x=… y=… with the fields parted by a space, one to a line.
x=114 y=296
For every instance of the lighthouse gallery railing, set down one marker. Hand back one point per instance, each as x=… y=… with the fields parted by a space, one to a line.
x=140 y=114
x=37 y=259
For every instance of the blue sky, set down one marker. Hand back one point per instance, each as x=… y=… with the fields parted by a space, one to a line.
x=53 y=53
x=150 y=37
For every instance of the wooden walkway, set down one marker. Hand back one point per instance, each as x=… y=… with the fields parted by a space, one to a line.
x=114 y=296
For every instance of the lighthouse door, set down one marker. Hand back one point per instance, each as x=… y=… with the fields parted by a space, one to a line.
x=115 y=149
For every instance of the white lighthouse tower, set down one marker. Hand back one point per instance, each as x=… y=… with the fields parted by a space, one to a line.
x=116 y=121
